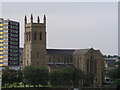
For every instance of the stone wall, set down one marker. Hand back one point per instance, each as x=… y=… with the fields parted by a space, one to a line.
x=47 y=88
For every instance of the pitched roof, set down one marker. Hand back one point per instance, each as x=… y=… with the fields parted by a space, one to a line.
x=67 y=51
x=98 y=52
x=60 y=51
x=80 y=51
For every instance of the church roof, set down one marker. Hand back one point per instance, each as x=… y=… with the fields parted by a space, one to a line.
x=60 y=51
x=67 y=51
x=80 y=51
x=98 y=52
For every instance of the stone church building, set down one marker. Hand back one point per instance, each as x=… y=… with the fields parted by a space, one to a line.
x=37 y=54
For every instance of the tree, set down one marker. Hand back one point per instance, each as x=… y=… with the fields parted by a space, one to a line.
x=35 y=75
x=88 y=79
x=19 y=76
x=66 y=76
x=55 y=77
x=115 y=74
x=77 y=75
x=11 y=76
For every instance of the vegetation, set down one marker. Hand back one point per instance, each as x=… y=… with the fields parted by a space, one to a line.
x=10 y=77
x=88 y=79
x=111 y=56
x=66 y=76
x=115 y=74
x=39 y=76
x=35 y=75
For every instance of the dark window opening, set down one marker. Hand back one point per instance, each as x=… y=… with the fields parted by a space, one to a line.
x=29 y=36
x=34 y=35
x=40 y=35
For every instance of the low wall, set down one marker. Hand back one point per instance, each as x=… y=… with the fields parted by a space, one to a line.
x=97 y=88
x=47 y=88
x=35 y=88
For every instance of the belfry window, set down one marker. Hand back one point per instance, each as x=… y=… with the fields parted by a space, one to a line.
x=29 y=36
x=40 y=35
x=34 y=35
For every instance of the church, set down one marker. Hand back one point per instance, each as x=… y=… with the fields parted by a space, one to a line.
x=37 y=54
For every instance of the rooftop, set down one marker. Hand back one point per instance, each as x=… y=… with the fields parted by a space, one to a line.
x=67 y=51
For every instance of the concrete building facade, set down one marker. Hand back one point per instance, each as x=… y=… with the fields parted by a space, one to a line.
x=9 y=43
x=36 y=53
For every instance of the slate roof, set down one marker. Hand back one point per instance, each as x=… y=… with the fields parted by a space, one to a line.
x=80 y=51
x=67 y=51
x=99 y=53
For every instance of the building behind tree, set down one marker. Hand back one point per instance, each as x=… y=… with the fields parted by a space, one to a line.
x=37 y=54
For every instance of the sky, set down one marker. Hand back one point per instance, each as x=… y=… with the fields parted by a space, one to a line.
x=59 y=0
x=71 y=24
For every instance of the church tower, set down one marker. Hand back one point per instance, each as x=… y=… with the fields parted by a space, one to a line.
x=35 y=43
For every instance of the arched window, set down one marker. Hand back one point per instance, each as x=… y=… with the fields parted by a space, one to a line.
x=58 y=59
x=35 y=35
x=40 y=35
x=87 y=65
x=53 y=59
x=67 y=59
x=27 y=62
x=95 y=66
x=49 y=59
x=38 y=55
x=29 y=36
x=26 y=37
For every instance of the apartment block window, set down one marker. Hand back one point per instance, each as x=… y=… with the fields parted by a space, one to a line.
x=1 y=30
x=5 y=22
x=1 y=34
x=5 y=27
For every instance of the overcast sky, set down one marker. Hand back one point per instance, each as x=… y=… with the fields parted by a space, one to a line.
x=71 y=24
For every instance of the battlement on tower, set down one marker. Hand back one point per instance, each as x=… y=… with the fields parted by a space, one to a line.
x=38 y=20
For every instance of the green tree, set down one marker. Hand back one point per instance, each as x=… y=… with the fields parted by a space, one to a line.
x=77 y=76
x=19 y=76
x=55 y=77
x=115 y=74
x=35 y=75
x=72 y=75
x=11 y=76
x=66 y=76
x=88 y=79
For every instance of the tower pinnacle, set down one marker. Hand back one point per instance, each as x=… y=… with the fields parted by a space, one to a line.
x=25 y=19
x=31 y=18
x=44 y=19
x=38 y=19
